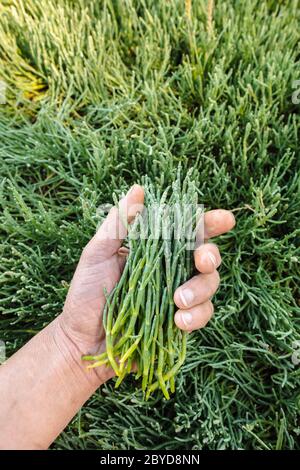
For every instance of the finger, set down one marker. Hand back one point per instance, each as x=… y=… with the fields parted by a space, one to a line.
x=114 y=226
x=194 y=318
x=207 y=258
x=197 y=290
x=123 y=251
x=112 y=232
x=217 y=221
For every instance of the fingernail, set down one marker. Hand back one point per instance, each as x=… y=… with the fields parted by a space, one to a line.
x=212 y=258
x=211 y=229
x=186 y=296
x=233 y=219
x=186 y=318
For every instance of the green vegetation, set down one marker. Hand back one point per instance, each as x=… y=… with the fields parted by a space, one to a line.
x=99 y=95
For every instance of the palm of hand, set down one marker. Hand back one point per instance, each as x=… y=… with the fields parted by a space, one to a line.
x=82 y=315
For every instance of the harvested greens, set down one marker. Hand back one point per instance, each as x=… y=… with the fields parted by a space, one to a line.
x=139 y=313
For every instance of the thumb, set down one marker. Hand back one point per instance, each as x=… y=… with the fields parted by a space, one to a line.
x=113 y=230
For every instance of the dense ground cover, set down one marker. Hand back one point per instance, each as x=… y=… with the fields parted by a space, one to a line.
x=99 y=94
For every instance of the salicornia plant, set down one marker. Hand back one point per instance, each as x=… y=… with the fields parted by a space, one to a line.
x=139 y=313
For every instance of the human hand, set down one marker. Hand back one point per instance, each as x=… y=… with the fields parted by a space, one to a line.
x=100 y=268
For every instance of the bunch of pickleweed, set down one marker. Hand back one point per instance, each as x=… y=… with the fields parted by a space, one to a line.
x=139 y=313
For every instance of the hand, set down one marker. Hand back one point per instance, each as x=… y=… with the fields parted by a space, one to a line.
x=100 y=267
